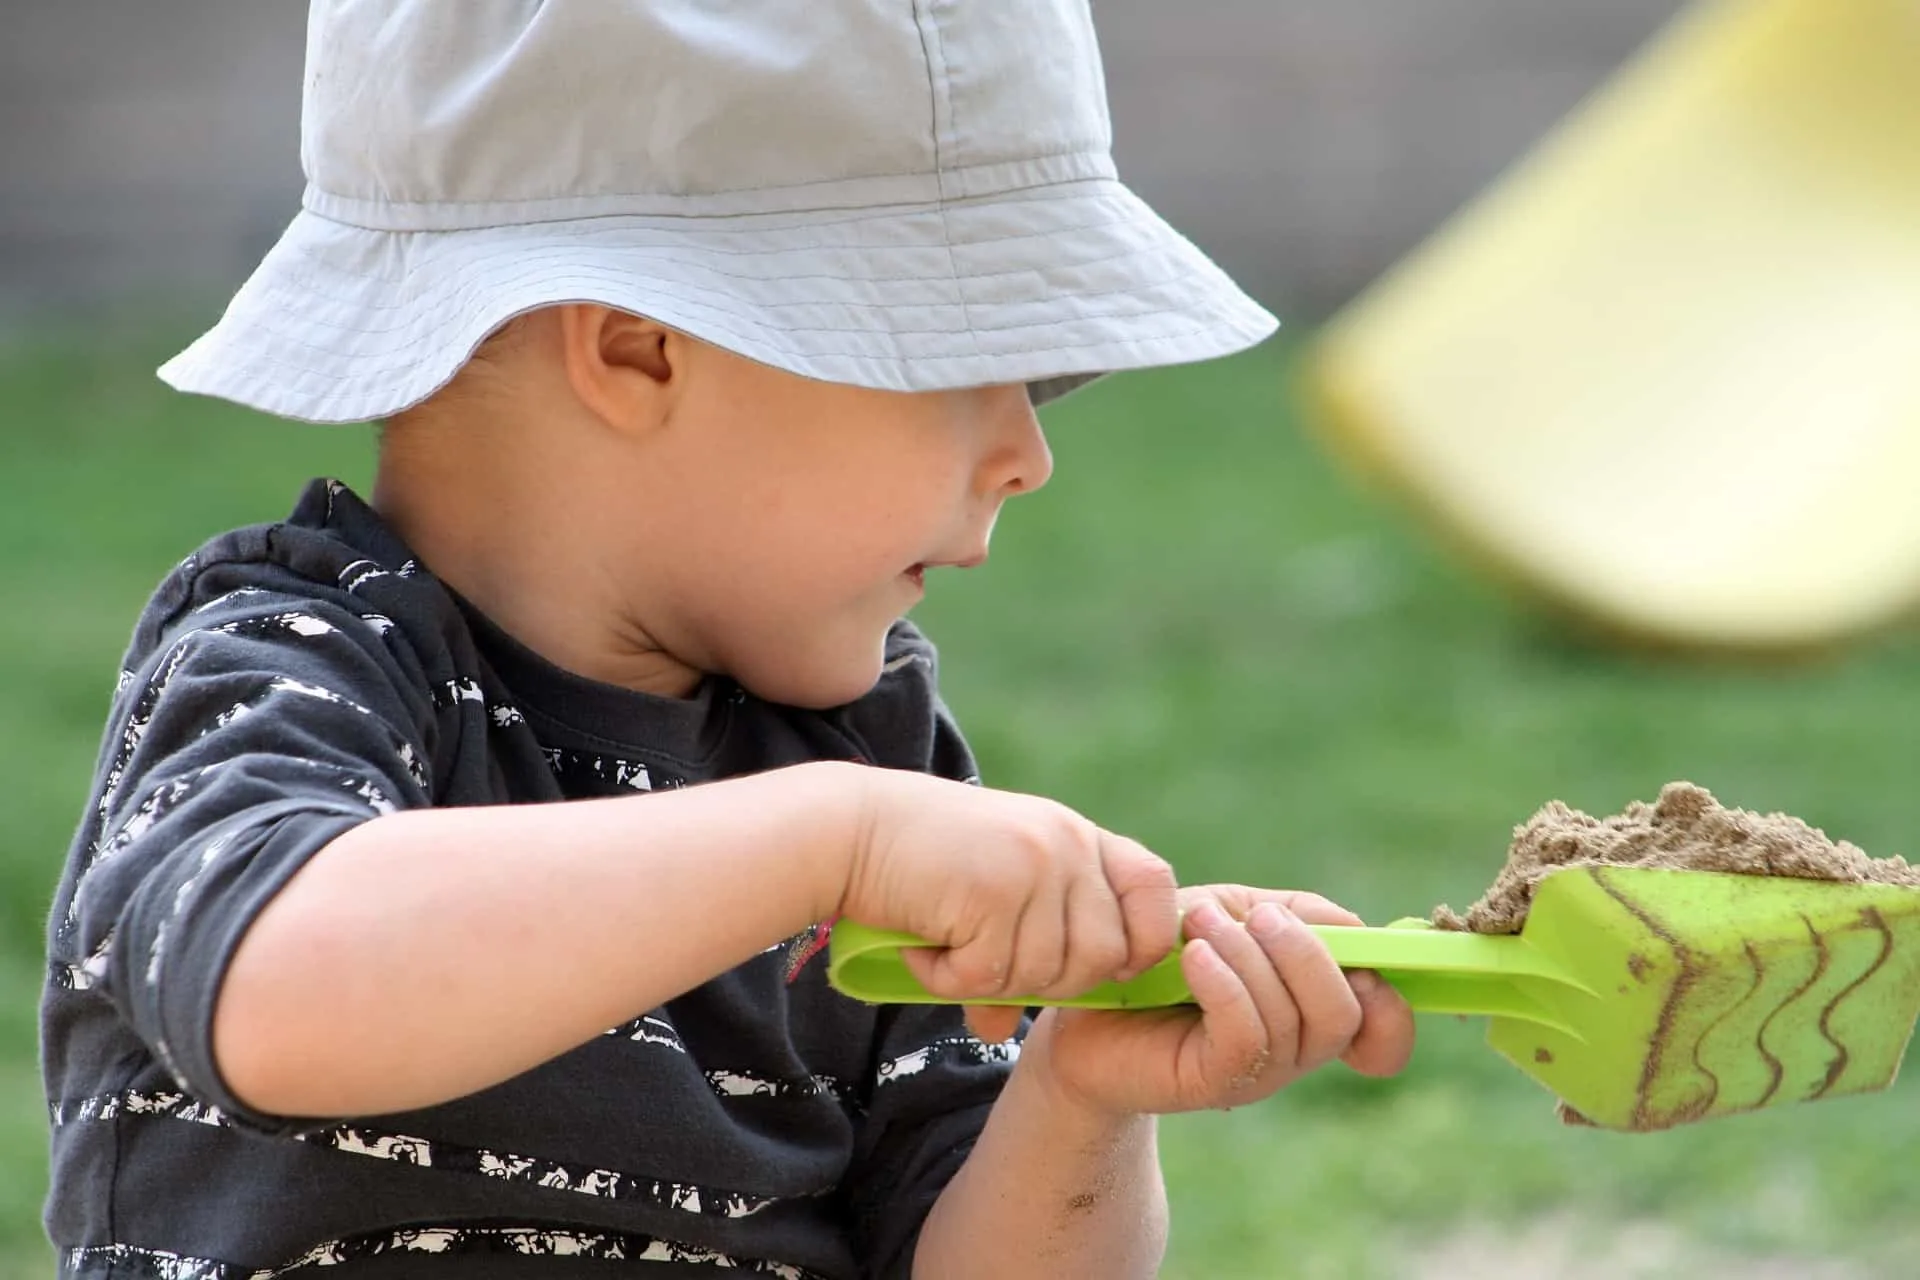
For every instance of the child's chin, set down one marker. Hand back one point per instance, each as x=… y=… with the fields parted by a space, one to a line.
x=817 y=686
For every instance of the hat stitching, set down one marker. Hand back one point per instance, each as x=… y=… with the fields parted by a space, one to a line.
x=271 y=395
x=1102 y=164
x=309 y=289
x=584 y=232
x=359 y=375
x=759 y=338
x=1172 y=345
x=930 y=45
x=531 y=257
x=655 y=295
x=1100 y=191
x=530 y=265
x=661 y=289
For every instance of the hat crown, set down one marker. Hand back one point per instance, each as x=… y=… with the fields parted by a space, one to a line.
x=449 y=114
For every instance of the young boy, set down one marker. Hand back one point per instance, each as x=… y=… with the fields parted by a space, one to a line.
x=451 y=897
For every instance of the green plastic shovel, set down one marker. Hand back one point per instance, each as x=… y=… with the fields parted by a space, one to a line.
x=1642 y=998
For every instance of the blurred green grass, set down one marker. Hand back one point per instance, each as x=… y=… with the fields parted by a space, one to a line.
x=1202 y=635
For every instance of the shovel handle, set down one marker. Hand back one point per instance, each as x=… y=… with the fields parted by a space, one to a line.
x=1436 y=971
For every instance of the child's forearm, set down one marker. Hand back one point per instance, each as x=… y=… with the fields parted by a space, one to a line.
x=430 y=953
x=1051 y=1189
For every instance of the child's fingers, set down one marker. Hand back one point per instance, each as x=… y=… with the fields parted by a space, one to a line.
x=1039 y=943
x=1328 y=1011
x=1016 y=950
x=1148 y=893
x=1236 y=1036
x=1280 y=1018
x=994 y=1024
x=1385 y=1040
x=925 y=964
x=979 y=966
x=1315 y=909
x=1096 y=935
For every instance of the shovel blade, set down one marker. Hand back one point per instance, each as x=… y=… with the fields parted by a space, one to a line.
x=1714 y=994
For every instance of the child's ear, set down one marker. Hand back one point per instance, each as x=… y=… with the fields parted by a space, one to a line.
x=621 y=366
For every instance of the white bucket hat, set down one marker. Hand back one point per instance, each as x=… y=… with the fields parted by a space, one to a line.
x=903 y=194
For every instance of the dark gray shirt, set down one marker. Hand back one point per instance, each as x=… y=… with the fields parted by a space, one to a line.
x=288 y=681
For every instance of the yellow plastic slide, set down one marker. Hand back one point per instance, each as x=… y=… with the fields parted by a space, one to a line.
x=1666 y=373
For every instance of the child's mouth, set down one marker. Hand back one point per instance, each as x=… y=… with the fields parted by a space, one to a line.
x=918 y=575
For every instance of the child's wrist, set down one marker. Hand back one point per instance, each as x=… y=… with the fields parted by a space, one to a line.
x=1056 y=1095
x=836 y=799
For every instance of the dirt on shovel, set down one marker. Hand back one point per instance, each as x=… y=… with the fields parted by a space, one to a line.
x=1685 y=829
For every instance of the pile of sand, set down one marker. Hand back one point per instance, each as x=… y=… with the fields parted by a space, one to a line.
x=1685 y=829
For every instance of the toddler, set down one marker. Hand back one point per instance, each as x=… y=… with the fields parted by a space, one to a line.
x=452 y=893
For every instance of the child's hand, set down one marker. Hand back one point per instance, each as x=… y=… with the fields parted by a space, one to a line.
x=1022 y=896
x=1273 y=1006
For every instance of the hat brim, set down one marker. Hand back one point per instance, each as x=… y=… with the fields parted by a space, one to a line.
x=1051 y=286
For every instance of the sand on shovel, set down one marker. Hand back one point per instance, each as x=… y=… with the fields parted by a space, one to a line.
x=1685 y=829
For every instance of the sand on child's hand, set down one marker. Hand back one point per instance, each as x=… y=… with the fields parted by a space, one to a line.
x=1685 y=829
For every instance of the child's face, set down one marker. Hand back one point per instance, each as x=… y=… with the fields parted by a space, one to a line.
x=803 y=516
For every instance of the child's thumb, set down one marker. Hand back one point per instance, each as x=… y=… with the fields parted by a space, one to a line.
x=994 y=1024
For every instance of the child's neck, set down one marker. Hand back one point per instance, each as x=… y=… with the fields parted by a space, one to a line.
x=509 y=538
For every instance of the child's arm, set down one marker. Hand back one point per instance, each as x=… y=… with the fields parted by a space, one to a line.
x=265 y=889
x=1065 y=1180
x=426 y=954
x=432 y=952
x=1052 y=1188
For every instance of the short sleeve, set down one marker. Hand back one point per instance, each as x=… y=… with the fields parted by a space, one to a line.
x=254 y=733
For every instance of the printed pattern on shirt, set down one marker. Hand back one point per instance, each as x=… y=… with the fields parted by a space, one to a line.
x=379 y=1144
x=110 y=1106
x=86 y=975
x=157 y=950
x=138 y=720
x=361 y=572
x=153 y=807
x=287 y=624
x=965 y=1049
x=300 y=624
x=174 y=792
x=648 y=1029
x=238 y=593
x=452 y=693
x=130 y=1262
x=652 y=1030
x=743 y=1084
x=590 y=772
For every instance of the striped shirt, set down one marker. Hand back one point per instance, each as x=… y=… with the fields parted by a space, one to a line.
x=288 y=681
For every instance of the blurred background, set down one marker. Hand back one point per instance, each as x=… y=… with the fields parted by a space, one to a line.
x=1208 y=632
x=150 y=150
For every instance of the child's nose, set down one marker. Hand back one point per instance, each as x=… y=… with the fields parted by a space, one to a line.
x=1019 y=460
